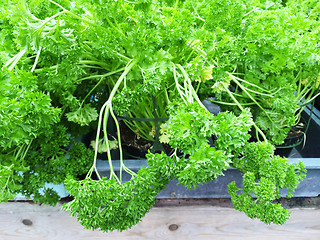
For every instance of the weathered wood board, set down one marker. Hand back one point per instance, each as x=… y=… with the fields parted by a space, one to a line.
x=24 y=221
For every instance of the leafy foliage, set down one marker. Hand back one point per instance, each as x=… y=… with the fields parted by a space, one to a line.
x=84 y=115
x=62 y=62
x=25 y=111
x=189 y=129
x=108 y=205
x=203 y=166
x=264 y=176
x=52 y=157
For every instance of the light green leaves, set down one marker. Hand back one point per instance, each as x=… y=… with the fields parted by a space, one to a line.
x=101 y=146
x=189 y=126
x=83 y=115
x=85 y=45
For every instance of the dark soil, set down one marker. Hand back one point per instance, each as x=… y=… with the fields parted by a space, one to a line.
x=296 y=134
x=133 y=145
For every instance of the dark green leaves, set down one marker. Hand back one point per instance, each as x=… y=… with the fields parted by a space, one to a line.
x=190 y=126
x=69 y=55
x=25 y=111
x=205 y=165
x=262 y=207
x=232 y=131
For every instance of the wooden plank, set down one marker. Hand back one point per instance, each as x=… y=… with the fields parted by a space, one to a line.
x=31 y=221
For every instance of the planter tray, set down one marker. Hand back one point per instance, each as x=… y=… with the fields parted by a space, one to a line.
x=308 y=153
x=309 y=187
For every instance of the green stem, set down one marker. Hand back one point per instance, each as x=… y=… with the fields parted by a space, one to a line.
x=141 y=126
x=178 y=86
x=119 y=141
x=254 y=85
x=49 y=19
x=242 y=109
x=303 y=92
x=198 y=86
x=13 y=61
x=26 y=150
x=249 y=95
x=259 y=93
x=103 y=75
x=231 y=104
x=191 y=89
x=77 y=17
x=176 y=4
x=124 y=57
x=192 y=52
x=36 y=60
x=95 y=62
x=98 y=83
x=104 y=112
x=105 y=121
x=310 y=100
x=114 y=27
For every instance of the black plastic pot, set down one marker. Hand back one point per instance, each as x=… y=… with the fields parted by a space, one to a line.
x=293 y=140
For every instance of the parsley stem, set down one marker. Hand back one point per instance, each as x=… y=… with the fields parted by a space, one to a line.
x=13 y=61
x=256 y=92
x=119 y=140
x=124 y=57
x=114 y=27
x=252 y=84
x=36 y=60
x=231 y=104
x=103 y=75
x=95 y=62
x=103 y=117
x=50 y=18
x=176 y=4
x=248 y=94
x=80 y=18
x=191 y=89
x=98 y=83
x=242 y=109
x=178 y=86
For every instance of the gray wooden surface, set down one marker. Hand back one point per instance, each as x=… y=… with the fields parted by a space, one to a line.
x=24 y=220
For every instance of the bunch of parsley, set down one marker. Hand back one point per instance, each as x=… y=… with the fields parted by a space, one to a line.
x=73 y=65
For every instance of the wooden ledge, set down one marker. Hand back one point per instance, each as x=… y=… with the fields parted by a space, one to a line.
x=25 y=220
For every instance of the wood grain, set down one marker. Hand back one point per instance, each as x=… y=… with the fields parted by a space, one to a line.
x=183 y=222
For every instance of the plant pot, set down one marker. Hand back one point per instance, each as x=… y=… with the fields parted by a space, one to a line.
x=295 y=138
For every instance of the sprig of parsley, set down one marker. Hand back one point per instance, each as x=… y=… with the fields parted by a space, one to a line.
x=264 y=176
